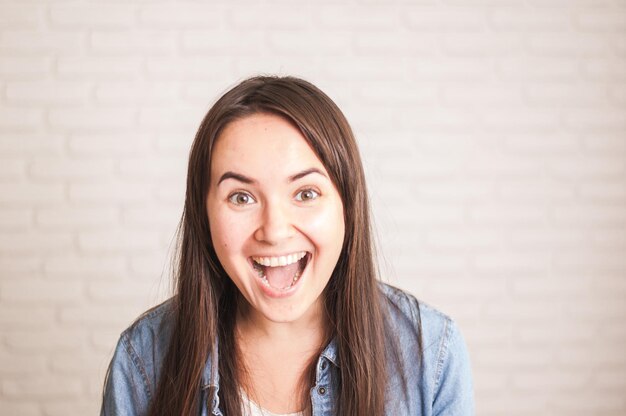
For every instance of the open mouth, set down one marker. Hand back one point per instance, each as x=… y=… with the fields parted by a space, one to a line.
x=281 y=272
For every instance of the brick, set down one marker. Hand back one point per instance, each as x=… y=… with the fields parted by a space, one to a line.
x=12 y=169
x=133 y=42
x=202 y=92
x=104 y=340
x=574 y=357
x=481 y=95
x=75 y=363
x=604 y=69
x=502 y=166
x=526 y=120
x=277 y=18
x=30 y=193
x=527 y=68
x=152 y=265
x=98 y=144
x=589 y=214
x=513 y=262
x=589 y=402
x=465 y=69
x=68 y=265
x=552 y=381
x=521 y=313
x=65 y=168
x=473 y=288
x=20 y=119
x=182 y=17
x=500 y=357
x=222 y=42
x=91 y=119
x=34 y=242
x=590 y=261
x=547 y=237
x=20 y=265
x=25 y=42
x=552 y=287
x=15 y=219
x=127 y=92
x=77 y=407
x=175 y=118
x=298 y=43
x=195 y=67
x=92 y=16
x=45 y=341
x=607 y=238
x=611 y=379
x=117 y=241
x=482 y=44
x=540 y=190
x=369 y=69
x=445 y=19
x=100 y=68
x=354 y=18
x=547 y=143
x=109 y=192
x=166 y=217
x=566 y=95
x=463 y=239
x=21 y=364
x=388 y=94
x=610 y=191
x=575 y=333
x=71 y=217
x=601 y=20
x=168 y=169
x=100 y=316
x=605 y=143
x=458 y=190
x=41 y=290
x=26 y=144
x=24 y=67
x=47 y=92
x=567 y=45
x=386 y=44
x=20 y=408
x=43 y=387
x=26 y=317
x=111 y=292
x=589 y=167
x=530 y=20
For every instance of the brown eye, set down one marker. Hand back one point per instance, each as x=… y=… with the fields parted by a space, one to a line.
x=241 y=198
x=307 y=195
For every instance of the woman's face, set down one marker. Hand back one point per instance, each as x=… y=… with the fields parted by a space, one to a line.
x=276 y=218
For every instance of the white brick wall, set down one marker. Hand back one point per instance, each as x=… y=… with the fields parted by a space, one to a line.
x=493 y=134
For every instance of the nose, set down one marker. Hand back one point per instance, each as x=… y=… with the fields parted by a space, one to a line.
x=275 y=224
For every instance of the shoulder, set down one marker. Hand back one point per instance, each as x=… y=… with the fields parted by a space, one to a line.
x=405 y=309
x=445 y=374
x=135 y=367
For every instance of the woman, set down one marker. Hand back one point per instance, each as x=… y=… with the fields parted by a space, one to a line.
x=278 y=310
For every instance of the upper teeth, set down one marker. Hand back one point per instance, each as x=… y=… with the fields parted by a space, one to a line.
x=280 y=260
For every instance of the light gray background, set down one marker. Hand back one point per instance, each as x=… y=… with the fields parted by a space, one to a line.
x=493 y=133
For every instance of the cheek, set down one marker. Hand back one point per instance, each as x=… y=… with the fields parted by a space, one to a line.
x=326 y=227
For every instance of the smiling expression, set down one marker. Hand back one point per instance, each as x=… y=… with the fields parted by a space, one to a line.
x=275 y=216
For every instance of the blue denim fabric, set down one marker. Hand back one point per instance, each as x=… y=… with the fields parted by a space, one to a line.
x=440 y=386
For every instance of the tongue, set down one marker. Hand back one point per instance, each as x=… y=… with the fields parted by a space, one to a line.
x=281 y=277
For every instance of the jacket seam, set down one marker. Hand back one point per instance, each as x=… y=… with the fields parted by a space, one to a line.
x=138 y=365
x=443 y=349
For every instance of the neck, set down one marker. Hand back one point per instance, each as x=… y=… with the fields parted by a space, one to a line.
x=308 y=329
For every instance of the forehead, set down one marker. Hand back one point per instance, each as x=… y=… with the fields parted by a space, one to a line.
x=262 y=144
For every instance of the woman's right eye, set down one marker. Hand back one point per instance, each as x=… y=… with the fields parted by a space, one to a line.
x=241 y=198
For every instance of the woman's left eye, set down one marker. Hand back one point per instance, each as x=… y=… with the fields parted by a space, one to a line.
x=307 y=195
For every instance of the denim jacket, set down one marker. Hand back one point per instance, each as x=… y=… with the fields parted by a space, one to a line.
x=440 y=386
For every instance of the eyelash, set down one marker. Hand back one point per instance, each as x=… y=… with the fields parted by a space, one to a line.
x=233 y=197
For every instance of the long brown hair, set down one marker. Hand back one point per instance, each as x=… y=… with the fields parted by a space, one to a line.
x=206 y=299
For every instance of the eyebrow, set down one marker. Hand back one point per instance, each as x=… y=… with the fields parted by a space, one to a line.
x=242 y=178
